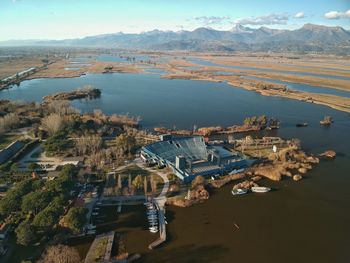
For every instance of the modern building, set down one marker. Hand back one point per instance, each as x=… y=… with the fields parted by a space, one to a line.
x=190 y=156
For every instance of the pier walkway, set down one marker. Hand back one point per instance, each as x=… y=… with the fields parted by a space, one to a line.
x=159 y=202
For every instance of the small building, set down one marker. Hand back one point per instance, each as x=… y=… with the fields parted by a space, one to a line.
x=189 y=157
x=77 y=161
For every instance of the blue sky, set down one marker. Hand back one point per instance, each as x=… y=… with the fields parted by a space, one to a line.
x=60 y=19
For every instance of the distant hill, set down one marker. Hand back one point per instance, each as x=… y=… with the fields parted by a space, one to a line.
x=309 y=38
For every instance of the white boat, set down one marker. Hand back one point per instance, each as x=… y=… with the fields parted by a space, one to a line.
x=94 y=214
x=153 y=229
x=239 y=191
x=260 y=189
x=236 y=171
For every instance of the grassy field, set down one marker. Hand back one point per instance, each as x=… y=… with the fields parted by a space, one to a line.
x=6 y=139
x=12 y=66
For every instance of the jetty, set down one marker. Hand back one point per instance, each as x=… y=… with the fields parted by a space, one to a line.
x=101 y=248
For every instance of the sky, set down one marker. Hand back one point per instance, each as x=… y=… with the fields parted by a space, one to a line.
x=63 y=19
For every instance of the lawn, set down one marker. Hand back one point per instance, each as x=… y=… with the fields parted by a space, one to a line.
x=7 y=139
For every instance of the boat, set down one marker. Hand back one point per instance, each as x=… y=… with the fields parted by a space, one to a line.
x=94 y=214
x=302 y=124
x=260 y=189
x=91 y=227
x=154 y=230
x=215 y=177
x=152 y=213
x=327 y=120
x=236 y=171
x=239 y=191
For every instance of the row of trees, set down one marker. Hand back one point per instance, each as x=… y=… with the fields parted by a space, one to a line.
x=139 y=182
x=261 y=122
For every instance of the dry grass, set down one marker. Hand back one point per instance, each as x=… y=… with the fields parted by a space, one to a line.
x=12 y=66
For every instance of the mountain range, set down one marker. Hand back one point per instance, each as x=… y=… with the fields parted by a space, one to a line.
x=309 y=38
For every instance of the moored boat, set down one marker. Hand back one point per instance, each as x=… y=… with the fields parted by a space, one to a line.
x=236 y=171
x=327 y=120
x=303 y=124
x=260 y=189
x=239 y=191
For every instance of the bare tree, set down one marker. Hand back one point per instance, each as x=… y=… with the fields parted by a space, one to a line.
x=60 y=254
x=8 y=122
x=89 y=145
x=52 y=123
x=129 y=181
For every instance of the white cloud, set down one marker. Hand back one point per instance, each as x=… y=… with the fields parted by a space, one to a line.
x=333 y=15
x=337 y=14
x=212 y=20
x=270 y=19
x=300 y=15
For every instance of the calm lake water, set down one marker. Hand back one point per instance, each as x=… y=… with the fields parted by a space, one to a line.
x=306 y=221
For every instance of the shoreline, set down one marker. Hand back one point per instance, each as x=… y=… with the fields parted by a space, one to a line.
x=276 y=90
x=174 y=70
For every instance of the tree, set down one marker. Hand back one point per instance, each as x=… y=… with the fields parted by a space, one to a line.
x=138 y=181
x=12 y=201
x=88 y=144
x=60 y=254
x=125 y=142
x=9 y=121
x=35 y=201
x=57 y=143
x=52 y=123
x=25 y=233
x=145 y=185
x=75 y=219
x=46 y=219
x=33 y=166
x=14 y=168
x=129 y=181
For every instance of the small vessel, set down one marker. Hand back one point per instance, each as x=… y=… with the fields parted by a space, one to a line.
x=91 y=227
x=236 y=171
x=260 y=189
x=215 y=177
x=302 y=124
x=94 y=214
x=153 y=229
x=327 y=120
x=239 y=191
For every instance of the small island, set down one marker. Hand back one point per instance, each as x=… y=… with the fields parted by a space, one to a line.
x=87 y=92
